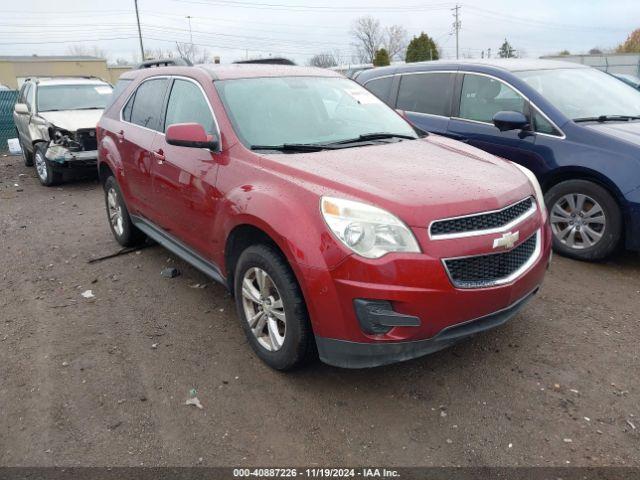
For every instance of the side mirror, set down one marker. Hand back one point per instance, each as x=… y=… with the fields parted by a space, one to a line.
x=21 y=108
x=190 y=135
x=506 y=121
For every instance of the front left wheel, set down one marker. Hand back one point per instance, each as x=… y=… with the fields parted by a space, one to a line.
x=47 y=175
x=272 y=309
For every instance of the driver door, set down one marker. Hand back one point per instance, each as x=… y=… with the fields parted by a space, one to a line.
x=481 y=97
x=184 y=178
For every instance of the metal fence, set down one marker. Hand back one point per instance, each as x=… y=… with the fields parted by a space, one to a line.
x=7 y=127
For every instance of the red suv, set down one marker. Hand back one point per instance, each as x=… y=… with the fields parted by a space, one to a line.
x=339 y=230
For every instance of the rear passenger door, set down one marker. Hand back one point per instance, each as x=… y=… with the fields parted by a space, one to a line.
x=141 y=121
x=426 y=99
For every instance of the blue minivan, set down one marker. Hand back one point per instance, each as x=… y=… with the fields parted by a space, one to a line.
x=575 y=127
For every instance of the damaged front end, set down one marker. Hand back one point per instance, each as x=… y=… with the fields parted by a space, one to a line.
x=79 y=147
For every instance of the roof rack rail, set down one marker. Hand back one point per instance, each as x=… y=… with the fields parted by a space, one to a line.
x=267 y=61
x=165 y=62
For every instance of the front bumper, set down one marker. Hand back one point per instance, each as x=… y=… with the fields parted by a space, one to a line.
x=346 y=354
x=414 y=286
x=62 y=156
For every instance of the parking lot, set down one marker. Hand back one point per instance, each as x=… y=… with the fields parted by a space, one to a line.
x=103 y=381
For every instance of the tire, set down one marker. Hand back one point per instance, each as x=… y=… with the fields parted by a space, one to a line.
x=294 y=341
x=47 y=175
x=585 y=219
x=123 y=229
x=26 y=154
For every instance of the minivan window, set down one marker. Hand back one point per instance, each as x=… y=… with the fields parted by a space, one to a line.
x=482 y=97
x=187 y=104
x=381 y=88
x=310 y=110
x=426 y=93
x=147 y=104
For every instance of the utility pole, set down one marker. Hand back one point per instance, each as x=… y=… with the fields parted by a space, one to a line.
x=189 y=17
x=139 y=30
x=456 y=27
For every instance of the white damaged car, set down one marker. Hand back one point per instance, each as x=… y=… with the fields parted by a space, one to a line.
x=56 y=121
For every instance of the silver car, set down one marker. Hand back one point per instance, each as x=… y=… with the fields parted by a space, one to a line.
x=56 y=121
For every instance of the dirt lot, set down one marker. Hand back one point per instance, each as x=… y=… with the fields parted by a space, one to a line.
x=81 y=383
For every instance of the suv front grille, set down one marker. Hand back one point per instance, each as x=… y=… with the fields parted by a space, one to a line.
x=87 y=139
x=494 y=268
x=483 y=221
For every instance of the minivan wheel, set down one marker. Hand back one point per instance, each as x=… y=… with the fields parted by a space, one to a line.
x=271 y=308
x=123 y=229
x=585 y=220
x=46 y=173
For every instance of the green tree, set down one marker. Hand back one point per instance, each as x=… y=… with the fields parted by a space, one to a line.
x=422 y=48
x=506 y=50
x=564 y=53
x=382 y=58
x=631 y=44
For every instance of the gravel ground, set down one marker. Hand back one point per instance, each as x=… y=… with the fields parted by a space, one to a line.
x=103 y=381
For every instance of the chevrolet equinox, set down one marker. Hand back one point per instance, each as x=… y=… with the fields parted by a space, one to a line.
x=340 y=231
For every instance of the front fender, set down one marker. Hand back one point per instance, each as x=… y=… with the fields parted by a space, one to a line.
x=292 y=219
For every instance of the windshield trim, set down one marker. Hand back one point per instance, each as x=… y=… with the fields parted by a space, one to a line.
x=247 y=144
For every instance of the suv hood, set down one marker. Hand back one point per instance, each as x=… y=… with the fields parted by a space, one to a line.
x=72 y=120
x=419 y=180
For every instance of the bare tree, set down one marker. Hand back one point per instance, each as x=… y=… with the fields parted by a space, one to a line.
x=368 y=37
x=87 y=50
x=396 y=41
x=193 y=53
x=324 y=60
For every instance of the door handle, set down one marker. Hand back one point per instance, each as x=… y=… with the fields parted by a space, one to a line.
x=120 y=136
x=159 y=156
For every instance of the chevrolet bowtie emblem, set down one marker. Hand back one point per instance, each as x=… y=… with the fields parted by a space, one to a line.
x=508 y=240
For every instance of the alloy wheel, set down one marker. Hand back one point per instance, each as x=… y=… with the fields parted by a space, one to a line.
x=115 y=212
x=264 y=309
x=578 y=221
x=41 y=167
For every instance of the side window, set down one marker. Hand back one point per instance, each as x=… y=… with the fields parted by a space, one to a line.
x=380 y=87
x=187 y=104
x=147 y=105
x=426 y=93
x=126 y=111
x=542 y=125
x=30 y=96
x=21 y=95
x=482 y=97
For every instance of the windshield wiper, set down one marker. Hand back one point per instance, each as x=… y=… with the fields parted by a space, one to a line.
x=607 y=118
x=373 y=136
x=292 y=147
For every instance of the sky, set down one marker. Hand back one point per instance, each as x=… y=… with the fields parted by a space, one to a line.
x=237 y=29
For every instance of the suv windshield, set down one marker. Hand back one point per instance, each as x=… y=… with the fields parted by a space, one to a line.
x=583 y=93
x=307 y=110
x=73 y=97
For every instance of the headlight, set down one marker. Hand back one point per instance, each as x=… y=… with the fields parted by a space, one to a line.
x=536 y=188
x=367 y=230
